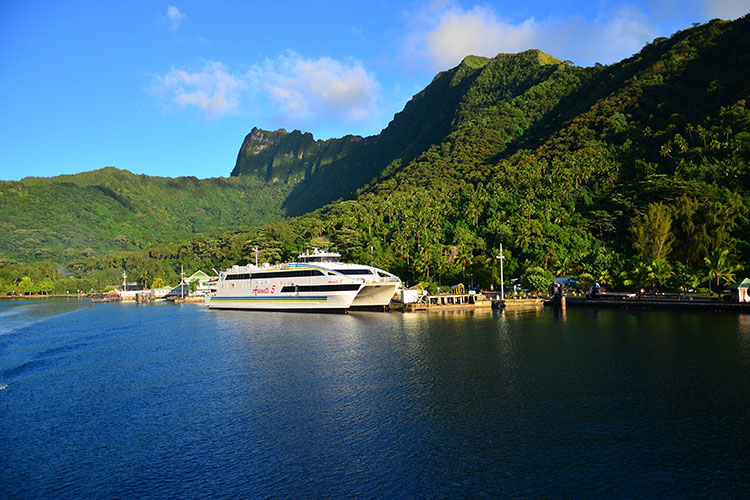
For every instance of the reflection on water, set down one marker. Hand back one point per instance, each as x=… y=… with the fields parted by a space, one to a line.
x=522 y=314
x=116 y=400
x=743 y=333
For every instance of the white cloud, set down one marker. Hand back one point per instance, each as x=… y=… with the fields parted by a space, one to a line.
x=174 y=17
x=211 y=88
x=476 y=32
x=620 y=36
x=444 y=33
x=726 y=9
x=606 y=39
x=317 y=89
x=298 y=92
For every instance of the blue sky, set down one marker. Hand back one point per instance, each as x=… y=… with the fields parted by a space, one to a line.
x=172 y=88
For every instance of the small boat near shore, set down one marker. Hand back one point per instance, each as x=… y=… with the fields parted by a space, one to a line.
x=317 y=281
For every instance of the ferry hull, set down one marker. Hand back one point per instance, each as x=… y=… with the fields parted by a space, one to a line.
x=375 y=295
x=329 y=303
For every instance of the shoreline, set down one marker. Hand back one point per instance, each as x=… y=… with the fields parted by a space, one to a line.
x=50 y=296
x=603 y=302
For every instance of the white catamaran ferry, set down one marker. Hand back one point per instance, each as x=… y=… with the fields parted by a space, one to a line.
x=317 y=281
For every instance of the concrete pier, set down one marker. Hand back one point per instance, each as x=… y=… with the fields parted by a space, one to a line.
x=444 y=302
x=518 y=304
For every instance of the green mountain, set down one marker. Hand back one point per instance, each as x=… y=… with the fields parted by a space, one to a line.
x=633 y=172
x=570 y=168
x=323 y=171
x=94 y=212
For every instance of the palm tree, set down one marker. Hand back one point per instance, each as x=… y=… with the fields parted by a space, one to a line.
x=637 y=276
x=606 y=278
x=473 y=211
x=719 y=266
x=422 y=265
x=561 y=265
x=25 y=285
x=46 y=286
x=463 y=259
x=659 y=271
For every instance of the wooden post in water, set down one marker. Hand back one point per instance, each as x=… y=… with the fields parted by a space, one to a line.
x=558 y=296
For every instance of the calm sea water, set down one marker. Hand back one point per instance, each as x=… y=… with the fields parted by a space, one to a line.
x=166 y=401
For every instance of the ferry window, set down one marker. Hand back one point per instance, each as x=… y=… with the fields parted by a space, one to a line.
x=238 y=276
x=352 y=272
x=296 y=273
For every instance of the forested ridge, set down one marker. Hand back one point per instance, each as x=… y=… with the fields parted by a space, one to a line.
x=633 y=174
x=88 y=214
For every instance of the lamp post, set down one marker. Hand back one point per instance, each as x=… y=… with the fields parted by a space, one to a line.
x=500 y=258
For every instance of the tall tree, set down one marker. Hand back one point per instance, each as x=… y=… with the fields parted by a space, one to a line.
x=650 y=232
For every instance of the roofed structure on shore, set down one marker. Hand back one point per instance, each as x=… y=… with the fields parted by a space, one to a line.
x=740 y=290
x=205 y=282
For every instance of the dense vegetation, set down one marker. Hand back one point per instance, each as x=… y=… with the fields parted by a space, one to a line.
x=88 y=214
x=633 y=174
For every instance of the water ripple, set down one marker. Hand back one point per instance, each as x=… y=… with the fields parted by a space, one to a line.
x=130 y=401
